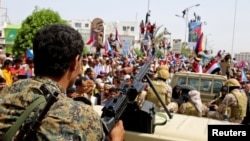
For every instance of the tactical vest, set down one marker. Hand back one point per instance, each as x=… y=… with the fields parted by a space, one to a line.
x=239 y=111
x=160 y=87
x=190 y=109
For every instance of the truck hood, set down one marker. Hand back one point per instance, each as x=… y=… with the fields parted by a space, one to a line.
x=179 y=128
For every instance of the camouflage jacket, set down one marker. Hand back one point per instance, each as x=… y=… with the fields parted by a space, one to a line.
x=66 y=119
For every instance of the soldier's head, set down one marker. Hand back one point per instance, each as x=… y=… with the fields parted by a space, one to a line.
x=176 y=91
x=57 y=50
x=232 y=84
x=247 y=88
x=163 y=72
x=224 y=91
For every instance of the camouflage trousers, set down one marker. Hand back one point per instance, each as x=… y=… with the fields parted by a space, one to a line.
x=220 y=116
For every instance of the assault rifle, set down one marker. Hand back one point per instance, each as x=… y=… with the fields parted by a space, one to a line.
x=124 y=107
x=28 y=131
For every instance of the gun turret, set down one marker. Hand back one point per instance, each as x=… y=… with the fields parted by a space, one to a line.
x=113 y=110
x=124 y=107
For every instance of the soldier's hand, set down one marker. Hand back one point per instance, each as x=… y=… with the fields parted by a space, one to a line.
x=216 y=106
x=117 y=133
x=208 y=104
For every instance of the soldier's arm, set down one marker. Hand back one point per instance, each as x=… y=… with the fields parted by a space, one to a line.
x=168 y=94
x=229 y=100
x=182 y=108
x=117 y=133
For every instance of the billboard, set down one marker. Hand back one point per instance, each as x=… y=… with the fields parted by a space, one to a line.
x=194 y=30
x=177 y=46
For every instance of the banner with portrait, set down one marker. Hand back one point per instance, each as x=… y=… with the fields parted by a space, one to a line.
x=194 y=30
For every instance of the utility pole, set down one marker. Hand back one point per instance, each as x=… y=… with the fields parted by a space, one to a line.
x=185 y=13
x=148 y=4
x=0 y=12
x=235 y=8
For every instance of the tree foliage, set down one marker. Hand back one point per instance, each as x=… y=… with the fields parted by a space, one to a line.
x=138 y=52
x=29 y=27
x=160 y=54
x=186 y=50
x=85 y=50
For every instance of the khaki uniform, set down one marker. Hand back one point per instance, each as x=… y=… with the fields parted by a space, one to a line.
x=65 y=120
x=233 y=105
x=163 y=89
x=188 y=109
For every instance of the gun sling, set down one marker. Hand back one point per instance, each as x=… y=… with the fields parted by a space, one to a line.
x=12 y=131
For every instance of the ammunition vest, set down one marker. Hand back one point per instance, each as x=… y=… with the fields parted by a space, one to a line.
x=190 y=109
x=239 y=111
x=160 y=87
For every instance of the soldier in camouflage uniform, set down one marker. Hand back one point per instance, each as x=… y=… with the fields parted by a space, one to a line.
x=236 y=100
x=57 y=62
x=218 y=100
x=163 y=89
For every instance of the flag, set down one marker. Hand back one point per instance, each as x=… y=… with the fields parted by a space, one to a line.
x=117 y=37
x=243 y=77
x=91 y=40
x=198 y=47
x=212 y=67
x=28 y=53
x=197 y=67
x=241 y=64
x=107 y=47
x=219 y=54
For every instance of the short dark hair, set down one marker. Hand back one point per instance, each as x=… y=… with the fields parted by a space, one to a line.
x=224 y=89
x=55 y=46
x=17 y=60
x=7 y=62
x=78 y=81
x=113 y=89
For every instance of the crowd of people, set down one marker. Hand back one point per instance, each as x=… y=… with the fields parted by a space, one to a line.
x=57 y=63
x=83 y=81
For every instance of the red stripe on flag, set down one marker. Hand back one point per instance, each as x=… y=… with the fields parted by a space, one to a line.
x=199 y=47
x=212 y=66
x=117 y=37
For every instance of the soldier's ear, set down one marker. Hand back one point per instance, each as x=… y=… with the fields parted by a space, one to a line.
x=75 y=63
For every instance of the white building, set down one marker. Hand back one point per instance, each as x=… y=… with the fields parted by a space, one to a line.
x=83 y=26
x=128 y=31
x=242 y=56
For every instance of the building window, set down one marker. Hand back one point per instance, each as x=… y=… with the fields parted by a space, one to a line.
x=78 y=25
x=132 y=28
x=124 y=28
x=86 y=25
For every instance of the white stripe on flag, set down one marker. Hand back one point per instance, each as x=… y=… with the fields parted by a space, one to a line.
x=213 y=67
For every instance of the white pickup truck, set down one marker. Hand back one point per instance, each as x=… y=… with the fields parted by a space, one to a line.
x=178 y=128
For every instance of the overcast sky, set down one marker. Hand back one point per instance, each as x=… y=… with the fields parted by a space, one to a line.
x=218 y=14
